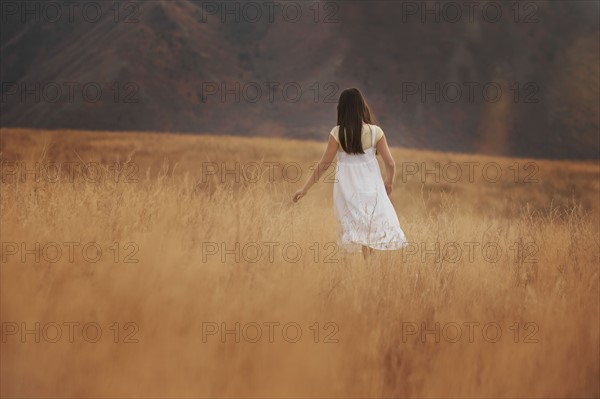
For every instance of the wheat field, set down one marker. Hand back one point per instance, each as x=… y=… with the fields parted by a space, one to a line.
x=165 y=277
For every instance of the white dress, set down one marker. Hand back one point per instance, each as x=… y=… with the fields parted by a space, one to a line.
x=364 y=212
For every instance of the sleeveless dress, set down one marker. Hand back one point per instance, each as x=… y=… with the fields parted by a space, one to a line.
x=365 y=215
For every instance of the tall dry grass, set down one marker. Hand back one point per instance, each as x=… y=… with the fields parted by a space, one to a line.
x=178 y=285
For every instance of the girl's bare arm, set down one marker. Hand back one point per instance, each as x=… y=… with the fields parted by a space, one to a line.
x=322 y=166
x=388 y=161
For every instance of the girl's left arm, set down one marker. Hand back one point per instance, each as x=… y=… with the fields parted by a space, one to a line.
x=322 y=166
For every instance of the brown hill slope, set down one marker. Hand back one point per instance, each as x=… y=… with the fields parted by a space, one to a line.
x=158 y=64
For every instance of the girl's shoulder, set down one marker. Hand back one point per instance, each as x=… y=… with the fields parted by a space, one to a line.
x=378 y=132
x=335 y=132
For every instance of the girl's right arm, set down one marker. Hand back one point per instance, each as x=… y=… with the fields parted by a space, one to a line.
x=390 y=165
x=322 y=166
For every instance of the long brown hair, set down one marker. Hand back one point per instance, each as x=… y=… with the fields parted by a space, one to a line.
x=352 y=112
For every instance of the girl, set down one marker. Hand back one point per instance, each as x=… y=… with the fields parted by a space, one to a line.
x=365 y=216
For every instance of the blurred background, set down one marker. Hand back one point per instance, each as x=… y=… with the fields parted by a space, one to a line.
x=501 y=78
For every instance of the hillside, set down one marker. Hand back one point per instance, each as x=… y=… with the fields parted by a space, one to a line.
x=159 y=64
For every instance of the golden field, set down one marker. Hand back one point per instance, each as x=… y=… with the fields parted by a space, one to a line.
x=508 y=306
